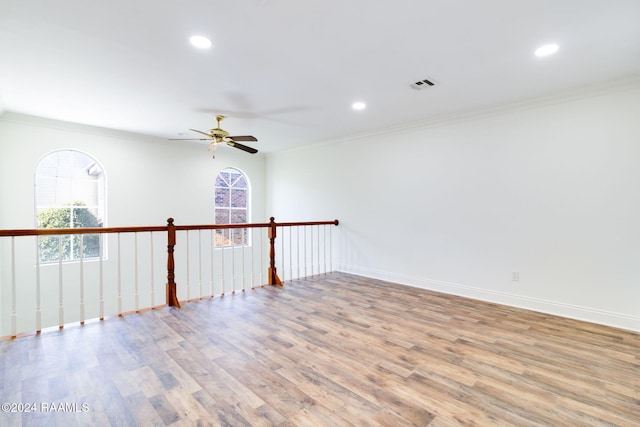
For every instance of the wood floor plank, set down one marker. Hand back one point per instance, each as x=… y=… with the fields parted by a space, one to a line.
x=331 y=350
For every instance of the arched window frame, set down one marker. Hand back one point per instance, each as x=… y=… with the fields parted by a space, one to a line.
x=228 y=209
x=70 y=192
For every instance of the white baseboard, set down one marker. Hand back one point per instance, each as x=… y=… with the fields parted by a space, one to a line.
x=587 y=314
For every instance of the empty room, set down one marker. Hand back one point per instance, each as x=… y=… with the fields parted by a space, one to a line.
x=281 y=213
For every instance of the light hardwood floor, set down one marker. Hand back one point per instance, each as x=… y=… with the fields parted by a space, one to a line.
x=331 y=350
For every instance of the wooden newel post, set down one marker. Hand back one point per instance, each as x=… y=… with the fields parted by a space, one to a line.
x=172 y=297
x=272 y=273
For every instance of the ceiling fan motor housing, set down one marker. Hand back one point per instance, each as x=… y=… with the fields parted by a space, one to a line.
x=219 y=133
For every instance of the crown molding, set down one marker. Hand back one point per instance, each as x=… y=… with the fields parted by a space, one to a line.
x=584 y=92
x=48 y=123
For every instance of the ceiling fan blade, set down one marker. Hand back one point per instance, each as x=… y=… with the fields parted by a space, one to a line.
x=244 y=138
x=199 y=131
x=242 y=147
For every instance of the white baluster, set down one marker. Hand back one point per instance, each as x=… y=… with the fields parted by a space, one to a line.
x=61 y=304
x=38 y=295
x=119 y=278
x=188 y=275
x=82 y=279
x=311 y=247
x=282 y=269
x=262 y=243
x=213 y=247
x=305 y=250
x=298 y=250
x=102 y=243
x=323 y=248
x=153 y=287
x=200 y=264
x=330 y=249
x=222 y=265
x=14 y=315
x=324 y=236
x=233 y=261
x=135 y=270
x=252 y=232
x=242 y=248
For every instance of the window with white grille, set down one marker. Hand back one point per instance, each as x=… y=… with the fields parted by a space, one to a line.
x=69 y=193
x=231 y=206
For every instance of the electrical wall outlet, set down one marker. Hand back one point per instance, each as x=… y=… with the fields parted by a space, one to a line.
x=515 y=276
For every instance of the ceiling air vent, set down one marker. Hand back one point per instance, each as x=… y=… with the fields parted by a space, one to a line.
x=422 y=84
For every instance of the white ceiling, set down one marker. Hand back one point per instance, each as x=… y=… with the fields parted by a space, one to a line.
x=287 y=71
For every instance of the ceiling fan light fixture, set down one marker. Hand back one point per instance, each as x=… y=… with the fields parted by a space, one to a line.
x=200 y=42
x=217 y=136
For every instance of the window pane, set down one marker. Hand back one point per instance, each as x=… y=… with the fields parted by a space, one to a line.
x=50 y=248
x=222 y=216
x=85 y=217
x=220 y=181
x=222 y=197
x=238 y=198
x=238 y=236
x=222 y=238
x=54 y=218
x=90 y=243
x=46 y=191
x=240 y=181
x=238 y=216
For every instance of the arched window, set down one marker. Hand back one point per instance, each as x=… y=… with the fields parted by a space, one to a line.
x=69 y=193
x=231 y=206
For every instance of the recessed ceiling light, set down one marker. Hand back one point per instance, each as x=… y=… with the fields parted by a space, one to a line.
x=358 y=105
x=200 y=42
x=547 y=49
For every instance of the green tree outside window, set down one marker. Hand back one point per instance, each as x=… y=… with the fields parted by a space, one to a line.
x=72 y=215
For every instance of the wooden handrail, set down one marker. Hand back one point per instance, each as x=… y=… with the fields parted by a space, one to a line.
x=221 y=226
x=136 y=229
x=87 y=230
x=293 y=224
x=253 y=225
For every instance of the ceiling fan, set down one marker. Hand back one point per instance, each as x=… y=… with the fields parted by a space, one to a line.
x=219 y=136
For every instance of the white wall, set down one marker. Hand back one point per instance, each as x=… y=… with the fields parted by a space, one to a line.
x=148 y=181
x=549 y=190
